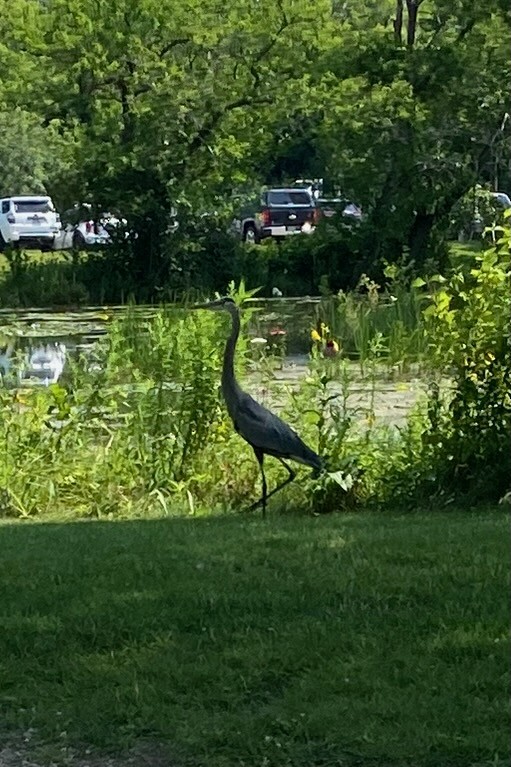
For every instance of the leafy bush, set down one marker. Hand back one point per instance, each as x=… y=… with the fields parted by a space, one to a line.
x=473 y=213
x=48 y=280
x=463 y=446
x=329 y=260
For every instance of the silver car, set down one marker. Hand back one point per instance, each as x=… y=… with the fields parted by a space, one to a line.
x=82 y=229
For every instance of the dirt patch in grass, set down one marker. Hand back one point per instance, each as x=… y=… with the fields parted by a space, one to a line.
x=21 y=751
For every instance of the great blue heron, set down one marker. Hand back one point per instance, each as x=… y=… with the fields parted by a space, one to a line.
x=265 y=432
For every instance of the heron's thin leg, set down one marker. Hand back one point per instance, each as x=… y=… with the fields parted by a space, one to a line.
x=264 y=498
x=292 y=475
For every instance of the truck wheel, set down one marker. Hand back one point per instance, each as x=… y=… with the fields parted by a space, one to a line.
x=78 y=241
x=46 y=247
x=250 y=234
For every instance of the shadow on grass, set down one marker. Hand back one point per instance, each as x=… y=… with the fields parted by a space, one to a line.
x=300 y=641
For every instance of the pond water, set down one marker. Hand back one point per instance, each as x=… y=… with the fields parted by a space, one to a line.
x=38 y=343
x=80 y=326
x=41 y=340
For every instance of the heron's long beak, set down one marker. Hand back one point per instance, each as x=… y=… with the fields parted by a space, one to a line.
x=208 y=305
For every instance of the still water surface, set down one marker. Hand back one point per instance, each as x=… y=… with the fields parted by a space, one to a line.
x=39 y=343
x=83 y=326
x=42 y=340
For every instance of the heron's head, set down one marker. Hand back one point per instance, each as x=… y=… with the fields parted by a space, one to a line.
x=220 y=303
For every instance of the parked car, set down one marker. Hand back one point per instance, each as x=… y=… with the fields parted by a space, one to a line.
x=28 y=221
x=279 y=213
x=502 y=199
x=337 y=205
x=83 y=229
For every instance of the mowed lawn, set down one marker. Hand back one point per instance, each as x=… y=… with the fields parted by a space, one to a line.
x=366 y=639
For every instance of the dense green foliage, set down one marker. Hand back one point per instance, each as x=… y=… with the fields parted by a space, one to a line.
x=363 y=639
x=469 y=332
x=147 y=105
x=138 y=426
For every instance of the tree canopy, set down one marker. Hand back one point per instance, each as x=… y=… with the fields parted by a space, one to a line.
x=144 y=104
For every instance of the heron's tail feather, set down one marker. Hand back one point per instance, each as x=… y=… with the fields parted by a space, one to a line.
x=317 y=463
x=316 y=472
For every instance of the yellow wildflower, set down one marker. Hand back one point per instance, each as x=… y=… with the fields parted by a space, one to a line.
x=315 y=335
x=331 y=348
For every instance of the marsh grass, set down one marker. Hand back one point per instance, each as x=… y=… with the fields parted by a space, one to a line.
x=369 y=324
x=132 y=425
x=356 y=639
x=32 y=278
x=137 y=427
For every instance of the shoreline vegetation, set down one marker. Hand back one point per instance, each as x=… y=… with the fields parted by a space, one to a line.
x=62 y=279
x=136 y=426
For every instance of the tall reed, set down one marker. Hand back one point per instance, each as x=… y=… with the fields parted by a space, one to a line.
x=360 y=319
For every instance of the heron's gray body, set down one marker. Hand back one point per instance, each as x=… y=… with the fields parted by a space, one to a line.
x=263 y=430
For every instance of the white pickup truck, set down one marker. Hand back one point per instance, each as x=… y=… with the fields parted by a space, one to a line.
x=28 y=221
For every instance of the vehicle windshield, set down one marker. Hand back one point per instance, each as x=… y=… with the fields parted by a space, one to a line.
x=33 y=206
x=289 y=198
x=503 y=199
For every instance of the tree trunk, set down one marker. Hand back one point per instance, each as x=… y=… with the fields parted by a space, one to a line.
x=413 y=9
x=125 y=85
x=419 y=236
x=86 y=87
x=398 y=23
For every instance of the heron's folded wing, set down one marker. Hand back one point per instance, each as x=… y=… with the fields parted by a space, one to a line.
x=266 y=431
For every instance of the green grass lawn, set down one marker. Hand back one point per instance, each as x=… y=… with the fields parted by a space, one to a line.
x=345 y=640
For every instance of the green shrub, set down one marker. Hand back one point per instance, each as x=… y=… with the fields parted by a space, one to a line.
x=463 y=446
x=41 y=280
x=473 y=213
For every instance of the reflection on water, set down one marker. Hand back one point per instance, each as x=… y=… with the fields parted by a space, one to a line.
x=35 y=344
x=41 y=364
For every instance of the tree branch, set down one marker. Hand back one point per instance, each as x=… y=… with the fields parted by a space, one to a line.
x=411 y=30
x=173 y=44
x=465 y=30
x=214 y=118
x=252 y=66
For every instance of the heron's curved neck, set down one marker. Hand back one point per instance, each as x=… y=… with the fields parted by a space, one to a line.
x=229 y=383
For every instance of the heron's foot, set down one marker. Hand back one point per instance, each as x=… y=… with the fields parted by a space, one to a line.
x=253 y=506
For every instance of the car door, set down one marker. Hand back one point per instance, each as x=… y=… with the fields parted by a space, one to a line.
x=4 y=224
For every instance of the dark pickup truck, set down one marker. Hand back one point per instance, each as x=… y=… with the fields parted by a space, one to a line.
x=281 y=212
